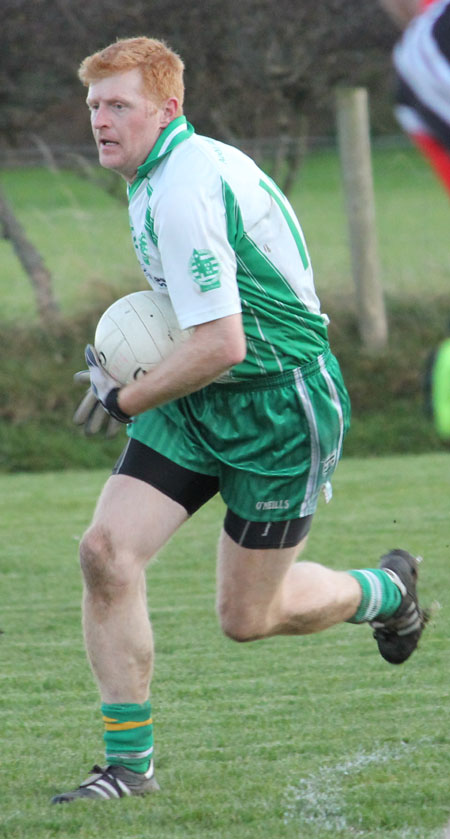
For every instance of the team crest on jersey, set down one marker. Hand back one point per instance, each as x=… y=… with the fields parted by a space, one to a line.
x=205 y=269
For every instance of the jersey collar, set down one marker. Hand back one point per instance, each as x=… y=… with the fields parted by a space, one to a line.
x=177 y=131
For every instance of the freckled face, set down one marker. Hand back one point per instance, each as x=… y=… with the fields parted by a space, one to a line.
x=125 y=122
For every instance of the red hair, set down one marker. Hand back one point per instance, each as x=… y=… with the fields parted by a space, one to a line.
x=161 y=68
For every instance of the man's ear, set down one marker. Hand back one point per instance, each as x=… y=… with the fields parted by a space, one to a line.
x=169 y=111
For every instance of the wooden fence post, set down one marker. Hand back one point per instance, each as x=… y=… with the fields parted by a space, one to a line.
x=355 y=156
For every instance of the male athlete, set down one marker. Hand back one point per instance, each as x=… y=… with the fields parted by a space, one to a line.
x=422 y=63
x=252 y=406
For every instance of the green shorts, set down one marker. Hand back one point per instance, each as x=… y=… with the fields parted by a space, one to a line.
x=272 y=443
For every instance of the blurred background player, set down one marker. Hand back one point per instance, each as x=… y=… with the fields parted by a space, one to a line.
x=422 y=64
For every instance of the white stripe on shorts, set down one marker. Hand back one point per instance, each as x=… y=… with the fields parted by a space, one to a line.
x=244 y=533
x=335 y=400
x=308 y=504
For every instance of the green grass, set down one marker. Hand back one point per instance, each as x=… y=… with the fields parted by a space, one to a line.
x=83 y=234
x=314 y=737
x=412 y=225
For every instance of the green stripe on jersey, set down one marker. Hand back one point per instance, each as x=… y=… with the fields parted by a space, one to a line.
x=279 y=198
x=177 y=131
x=281 y=332
x=149 y=221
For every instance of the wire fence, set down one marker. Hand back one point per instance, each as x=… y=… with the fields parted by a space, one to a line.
x=67 y=156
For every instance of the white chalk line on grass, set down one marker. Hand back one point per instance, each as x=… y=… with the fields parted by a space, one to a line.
x=318 y=800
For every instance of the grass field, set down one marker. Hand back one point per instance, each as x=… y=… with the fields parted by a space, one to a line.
x=83 y=235
x=81 y=232
x=300 y=738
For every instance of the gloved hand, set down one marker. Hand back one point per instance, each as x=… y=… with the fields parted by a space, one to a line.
x=91 y=413
x=100 y=400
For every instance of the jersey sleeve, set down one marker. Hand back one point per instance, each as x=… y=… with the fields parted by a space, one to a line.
x=199 y=262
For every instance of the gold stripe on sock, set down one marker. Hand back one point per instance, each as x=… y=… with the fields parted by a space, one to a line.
x=114 y=725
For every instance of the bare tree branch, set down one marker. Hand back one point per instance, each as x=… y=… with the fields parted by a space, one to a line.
x=31 y=261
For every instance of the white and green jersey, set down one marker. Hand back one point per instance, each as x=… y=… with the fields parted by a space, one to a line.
x=216 y=234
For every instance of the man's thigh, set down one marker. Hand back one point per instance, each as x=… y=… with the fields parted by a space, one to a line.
x=248 y=580
x=136 y=517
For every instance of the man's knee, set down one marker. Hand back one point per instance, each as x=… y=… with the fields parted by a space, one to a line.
x=100 y=563
x=238 y=623
x=94 y=551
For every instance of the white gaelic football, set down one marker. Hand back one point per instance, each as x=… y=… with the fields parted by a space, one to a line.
x=135 y=333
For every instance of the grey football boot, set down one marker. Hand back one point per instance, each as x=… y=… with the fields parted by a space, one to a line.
x=112 y=782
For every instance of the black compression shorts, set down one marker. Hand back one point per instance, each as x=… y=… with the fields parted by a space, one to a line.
x=193 y=489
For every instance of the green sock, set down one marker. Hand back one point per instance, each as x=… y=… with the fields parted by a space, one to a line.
x=381 y=597
x=128 y=735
